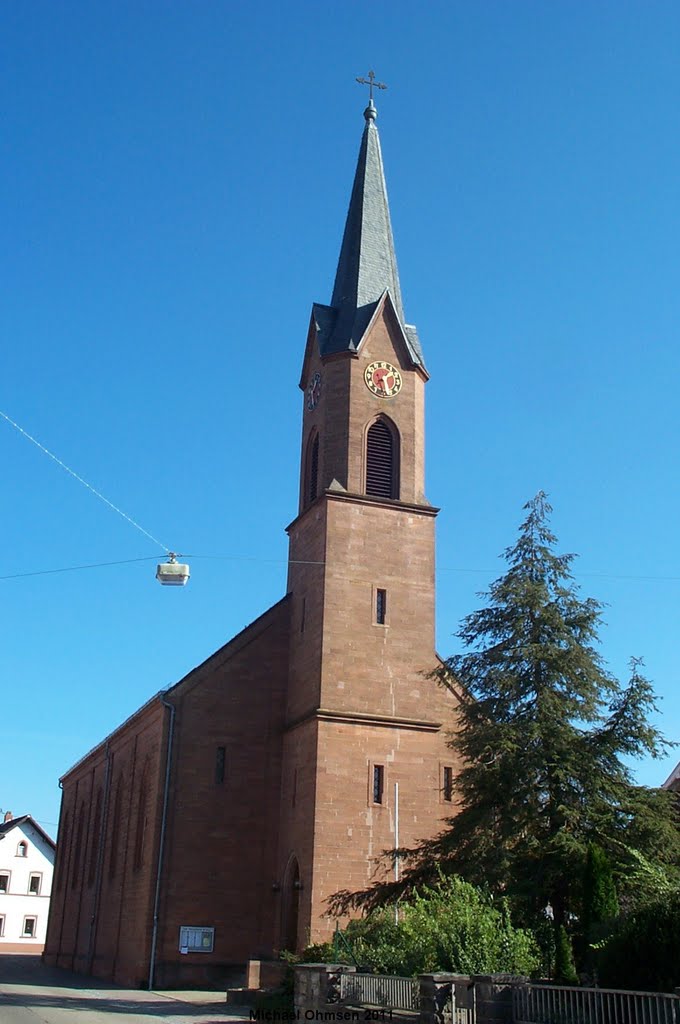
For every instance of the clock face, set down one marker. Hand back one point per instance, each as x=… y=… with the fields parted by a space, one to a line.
x=314 y=391
x=383 y=379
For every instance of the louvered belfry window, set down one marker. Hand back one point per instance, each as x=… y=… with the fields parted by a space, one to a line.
x=381 y=461
x=312 y=470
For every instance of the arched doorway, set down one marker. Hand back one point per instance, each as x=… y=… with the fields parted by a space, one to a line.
x=290 y=905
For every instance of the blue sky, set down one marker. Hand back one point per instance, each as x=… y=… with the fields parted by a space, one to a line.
x=174 y=179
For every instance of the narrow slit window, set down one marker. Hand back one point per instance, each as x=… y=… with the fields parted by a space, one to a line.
x=378 y=783
x=381 y=606
x=78 y=852
x=96 y=836
x=220 y=762
x=142 y=822
x=116 y=829
x=447 y=784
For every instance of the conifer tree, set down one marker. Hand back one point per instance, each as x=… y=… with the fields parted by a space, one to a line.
x=565 y=970
x=600 y=903
x=542 y=734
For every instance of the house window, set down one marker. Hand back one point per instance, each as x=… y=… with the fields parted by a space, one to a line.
x=380 y=606
x=29 y=929
x=447 y=783
x=4 y=882
x=220 y=760
x=378 y=783
x=381 y=460
x=2 y=925
x=34 y=883
x=22 y=849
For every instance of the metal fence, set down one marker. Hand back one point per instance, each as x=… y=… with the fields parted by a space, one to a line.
x=381 y=990
x=547 y=1004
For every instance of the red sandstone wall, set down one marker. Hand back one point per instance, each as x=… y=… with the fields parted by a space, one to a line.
x=352 y=833
x=100 y=914
x=370 y=668
x=222 y=838
x=406 y=410
x=297 y=835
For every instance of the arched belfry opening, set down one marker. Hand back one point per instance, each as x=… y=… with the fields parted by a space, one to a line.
x=290 y=906
x=382 y=458
x=311 y=479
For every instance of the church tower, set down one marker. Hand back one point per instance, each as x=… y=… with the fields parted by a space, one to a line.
x=365 y=760
x=215 y=823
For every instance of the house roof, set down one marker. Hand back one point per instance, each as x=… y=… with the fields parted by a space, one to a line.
x=25 y=819
x=161 y=694
x=367 y=266
x=673 y=780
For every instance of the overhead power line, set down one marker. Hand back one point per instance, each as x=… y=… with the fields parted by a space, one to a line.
x=302 y=561
x=83 y=482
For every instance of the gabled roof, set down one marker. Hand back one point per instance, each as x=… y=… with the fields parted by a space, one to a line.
x=25 y=819
x=673 y=780
x=367 y=266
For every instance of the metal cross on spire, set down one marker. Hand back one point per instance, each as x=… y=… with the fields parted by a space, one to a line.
x=372 y=84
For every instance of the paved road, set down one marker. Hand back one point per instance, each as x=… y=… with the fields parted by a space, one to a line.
x=31 y=993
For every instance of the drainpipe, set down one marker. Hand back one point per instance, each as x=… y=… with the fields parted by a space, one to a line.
x=161 y=842
x=396 y=846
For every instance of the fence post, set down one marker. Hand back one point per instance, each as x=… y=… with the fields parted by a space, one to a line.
x=493 y=994
x=437 y=997
x=317 y=985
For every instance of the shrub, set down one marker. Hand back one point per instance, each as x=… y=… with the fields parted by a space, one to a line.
x=642 y=953
x=451 y=926
x=565 y=969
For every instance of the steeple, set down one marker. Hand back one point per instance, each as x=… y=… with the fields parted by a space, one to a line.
x=367 y=267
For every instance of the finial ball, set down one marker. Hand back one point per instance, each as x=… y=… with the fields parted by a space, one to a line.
x=370 y=113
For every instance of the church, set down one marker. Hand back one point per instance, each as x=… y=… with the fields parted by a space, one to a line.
x=213 y=825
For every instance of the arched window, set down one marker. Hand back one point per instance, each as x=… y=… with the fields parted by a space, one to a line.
x=290 y=906
x=22 y=849
x=311 y=469
x=382 y=459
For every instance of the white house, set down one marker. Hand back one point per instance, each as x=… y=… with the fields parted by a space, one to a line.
x=26 y=868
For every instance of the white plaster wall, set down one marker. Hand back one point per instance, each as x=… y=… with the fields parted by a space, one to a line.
x=17 y=904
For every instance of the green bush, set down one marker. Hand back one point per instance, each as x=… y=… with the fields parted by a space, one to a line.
x=642 y=952
x=452 y=926
x=565 y=969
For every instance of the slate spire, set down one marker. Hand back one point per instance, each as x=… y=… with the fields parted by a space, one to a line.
x=368 y=263
x=367 y=266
